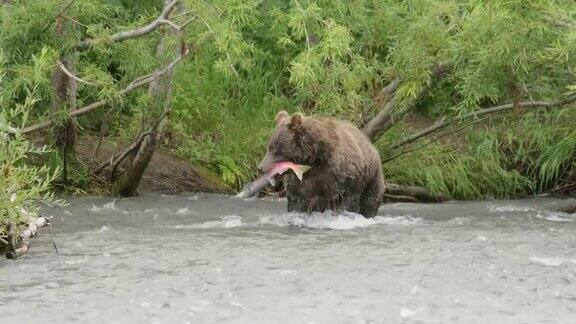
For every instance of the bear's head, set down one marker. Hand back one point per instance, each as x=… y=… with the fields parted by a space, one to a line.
x=293 y=140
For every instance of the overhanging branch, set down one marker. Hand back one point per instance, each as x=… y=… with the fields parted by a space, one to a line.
x=163 y=19
x=137 y=83
x=443 y=123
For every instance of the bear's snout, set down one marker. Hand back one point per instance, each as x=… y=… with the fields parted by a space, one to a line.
x=265 y=164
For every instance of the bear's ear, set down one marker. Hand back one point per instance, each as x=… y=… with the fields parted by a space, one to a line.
x=281 y=116
x=296 y=121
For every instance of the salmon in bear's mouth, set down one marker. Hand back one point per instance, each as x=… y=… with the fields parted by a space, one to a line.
x=277 y=168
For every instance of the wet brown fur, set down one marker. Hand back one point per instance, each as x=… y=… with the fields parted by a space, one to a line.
x=346 y=171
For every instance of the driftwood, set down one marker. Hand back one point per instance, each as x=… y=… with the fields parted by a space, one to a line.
x=21 y=244
x=398 y=198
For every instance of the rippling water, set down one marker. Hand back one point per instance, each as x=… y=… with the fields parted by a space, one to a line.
x=218 y=259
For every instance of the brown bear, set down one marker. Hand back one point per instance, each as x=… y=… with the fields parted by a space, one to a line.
x=345 y=174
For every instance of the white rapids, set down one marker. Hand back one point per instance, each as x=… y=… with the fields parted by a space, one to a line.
x=220 y=259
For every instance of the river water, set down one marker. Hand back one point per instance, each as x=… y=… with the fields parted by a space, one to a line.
x=219 y=259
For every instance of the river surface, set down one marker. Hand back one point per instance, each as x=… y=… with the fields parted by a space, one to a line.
x=219 y=259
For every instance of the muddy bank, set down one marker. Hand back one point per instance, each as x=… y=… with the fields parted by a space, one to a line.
x=165 y=174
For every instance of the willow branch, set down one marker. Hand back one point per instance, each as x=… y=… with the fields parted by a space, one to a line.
x=443 y=123
x=137 y=83
x=433 y=140
x=72 y=76
x=439 y=124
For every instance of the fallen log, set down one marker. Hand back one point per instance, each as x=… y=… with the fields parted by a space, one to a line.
x=21 y=244
x=417 y=193
x=398 y=198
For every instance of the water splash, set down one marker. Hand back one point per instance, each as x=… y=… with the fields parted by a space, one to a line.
x=508 y=208
x=109 y=206
x=551 y=262
x=230 y=221
x=186 y=211
x=341 y=221
x=556 y=217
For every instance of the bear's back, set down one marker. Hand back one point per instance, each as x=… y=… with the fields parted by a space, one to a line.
x=351 y=149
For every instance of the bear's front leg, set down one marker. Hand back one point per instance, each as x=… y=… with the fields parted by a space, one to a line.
x=351 y=202
x=296 y=203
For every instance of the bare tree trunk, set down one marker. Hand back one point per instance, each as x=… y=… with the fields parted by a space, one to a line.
x=65 y=98
x=65 y=89
x=382 y=100
x=126 y=184
x=391 y=113
x=160 y=90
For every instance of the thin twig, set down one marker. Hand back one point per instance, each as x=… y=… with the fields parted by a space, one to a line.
x=304 y=24
x=115 y=160
x=119 y=156
x=381 y=100
x=103 y=129
x=422 y=133
x=206 y=24
x=74 y=21
x=182 y=14
x=57 y=15
x=169 y=23
x=186 y=23
x=52 y=238
x=115 y=163
x=159 y=120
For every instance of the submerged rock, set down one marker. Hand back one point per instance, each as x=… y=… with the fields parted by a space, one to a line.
x=569 y=206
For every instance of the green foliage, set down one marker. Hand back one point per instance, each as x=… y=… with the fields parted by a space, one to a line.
x=21 y=184
x=224 y=122
x=468 y=168
x=252 y=58
x=547 y=150
x=330 y=57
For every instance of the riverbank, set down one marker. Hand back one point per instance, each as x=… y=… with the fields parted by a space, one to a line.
x=166 y=173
